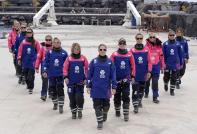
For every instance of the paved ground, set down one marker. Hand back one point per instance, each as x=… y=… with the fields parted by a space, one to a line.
x=21 y=113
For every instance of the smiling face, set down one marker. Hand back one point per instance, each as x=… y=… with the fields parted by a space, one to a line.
x=56 y=43
x=152 y=37
x=29 y=33
x=122 y=44
x=76 y=50
x=139 y=39
x=102 y=50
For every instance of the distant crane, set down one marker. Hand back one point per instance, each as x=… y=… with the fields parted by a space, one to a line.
x=51 y=16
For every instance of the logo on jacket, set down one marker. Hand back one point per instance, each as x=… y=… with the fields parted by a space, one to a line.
x=77 y=69
x=28 y=50
x=171 y=51
x=122 y=65
x=102 y=74
x=140 y=60
x=56 y=62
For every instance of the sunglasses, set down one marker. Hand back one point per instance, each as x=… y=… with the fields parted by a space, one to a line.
x=103 y=49
x=29 y=32
x=171 y=35
x=23 y=27
x=139 y=38
x=152 y=37
x=47 y=39
x=56 y=42
x=122 y=43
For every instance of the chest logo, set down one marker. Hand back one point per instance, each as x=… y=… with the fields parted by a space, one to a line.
x=102 y=74
x=122 y=65
x=140 y=60
x=171 y=51
x=77 y=69
x=28 y=50
x=56 y=62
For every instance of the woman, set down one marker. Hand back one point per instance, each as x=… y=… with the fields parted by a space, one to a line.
x=46 y=46
x=156 y=55
x=27 y=57
x=75 y=74
x=101 y=75
x=143 y=68
x=125 y=74
x=184 y=45
x=53 y=69
x=173 y=56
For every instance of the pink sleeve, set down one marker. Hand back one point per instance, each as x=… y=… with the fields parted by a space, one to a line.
x=37 y=46
x=161 y=58
x=10 y=40
x=112 y=57
x=149 y=62
x=39 y=58
x=66 y=65
x=132 y=60
x=20 y=50
x=86 y=66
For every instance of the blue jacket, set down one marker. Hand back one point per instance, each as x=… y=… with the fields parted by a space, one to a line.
x=101 y=75
x=142 y=63
x=76 y=70
x=19 y=38
x=172 y=55
x=27 y=53
x=184 y=46
x=53 y=62
x=125 y=65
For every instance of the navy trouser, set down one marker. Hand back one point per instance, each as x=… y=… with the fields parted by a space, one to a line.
x=29 y=77
x=101 y=106
x=76 y=97
x=45 y=83
x=138 y=92
x=155 y=88
x=56 y=85
x=170 y=75
x=122 y=93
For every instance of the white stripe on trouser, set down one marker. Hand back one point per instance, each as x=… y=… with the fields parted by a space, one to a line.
x=172 y=86
x=125 y=111
x=55 y=101
x=80 y=109
x=135 y=103
x=61 y=103
x=117 y=108
x=74 y=110
x=100 y=118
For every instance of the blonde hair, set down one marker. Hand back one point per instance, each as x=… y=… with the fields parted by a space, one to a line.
x=138 y=35
x=48 y=36
x=75 y=45
x=57 y=40
x=102 y=45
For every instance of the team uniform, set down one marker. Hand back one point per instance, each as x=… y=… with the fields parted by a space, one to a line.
x=27 y=54
x=125 y=71
x=40 y=59
x=75 y=70
x=143 y=66
x=157 y=61
x=19 y=38
x=11 y=41
x=184 y=45
x=101 y=76
x=53 y=66
x=173 y=60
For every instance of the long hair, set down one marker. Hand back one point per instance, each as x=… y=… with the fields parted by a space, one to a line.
x=33 y=40
x=73 y=47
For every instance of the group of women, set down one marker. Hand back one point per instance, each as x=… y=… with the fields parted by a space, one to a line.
x=103 y=76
